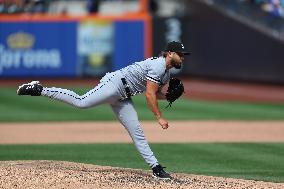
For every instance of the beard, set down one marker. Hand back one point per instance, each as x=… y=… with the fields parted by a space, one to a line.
x=176 y=65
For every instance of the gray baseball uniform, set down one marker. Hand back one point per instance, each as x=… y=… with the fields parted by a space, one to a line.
x=112 y=90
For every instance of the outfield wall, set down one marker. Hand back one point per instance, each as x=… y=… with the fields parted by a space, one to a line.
x=224 y=46
x=58 y=46
x=229 y=45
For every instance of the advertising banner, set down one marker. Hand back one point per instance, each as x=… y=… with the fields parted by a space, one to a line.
x=95 y=47
x=108 y=45
x=64 y=47
x=129 y=43
x=38 y=49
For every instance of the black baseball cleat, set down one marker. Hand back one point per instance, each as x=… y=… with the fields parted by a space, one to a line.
x=33 y=88
x=159 y=173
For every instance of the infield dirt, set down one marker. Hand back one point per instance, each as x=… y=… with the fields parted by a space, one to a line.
x=58 y=174
x=110 y=132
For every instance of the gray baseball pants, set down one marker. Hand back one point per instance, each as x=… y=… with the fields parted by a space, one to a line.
x=111 y=91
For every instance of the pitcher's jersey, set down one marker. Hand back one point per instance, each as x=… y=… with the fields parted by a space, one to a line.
x=137 y=74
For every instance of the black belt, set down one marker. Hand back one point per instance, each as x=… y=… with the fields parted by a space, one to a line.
x=126 y=87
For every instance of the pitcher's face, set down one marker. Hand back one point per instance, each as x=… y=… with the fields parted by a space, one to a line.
x=177 y=59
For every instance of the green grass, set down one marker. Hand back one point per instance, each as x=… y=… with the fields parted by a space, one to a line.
x=15 y=108
x=257 y=161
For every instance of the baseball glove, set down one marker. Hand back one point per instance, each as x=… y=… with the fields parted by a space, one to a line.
x=175 y=90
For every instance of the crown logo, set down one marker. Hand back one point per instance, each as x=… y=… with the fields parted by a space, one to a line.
x=20 y=40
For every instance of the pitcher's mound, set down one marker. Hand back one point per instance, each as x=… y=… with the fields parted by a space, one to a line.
x=60 y=174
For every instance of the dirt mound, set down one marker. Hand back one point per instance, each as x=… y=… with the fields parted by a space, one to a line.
x=59 y=174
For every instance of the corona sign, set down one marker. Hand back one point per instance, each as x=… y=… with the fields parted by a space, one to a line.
x=33 y=51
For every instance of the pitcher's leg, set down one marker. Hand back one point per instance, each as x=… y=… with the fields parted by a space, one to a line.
x=127 y=115
x=103 y=93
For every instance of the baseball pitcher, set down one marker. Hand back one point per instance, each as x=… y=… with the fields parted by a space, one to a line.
x=116 y=88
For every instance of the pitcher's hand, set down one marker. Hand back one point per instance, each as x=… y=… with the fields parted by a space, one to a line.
x=164 y=123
